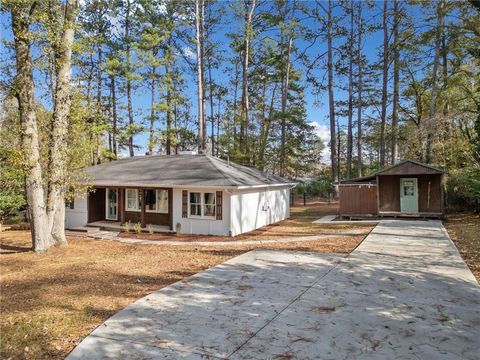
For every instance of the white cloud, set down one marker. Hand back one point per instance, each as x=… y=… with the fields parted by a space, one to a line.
x=189 y=53
x=323 y=132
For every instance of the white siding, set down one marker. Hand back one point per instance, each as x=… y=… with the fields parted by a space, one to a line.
x=201 y=226
x=252 y=209
x=243 y=211
x=78 y=215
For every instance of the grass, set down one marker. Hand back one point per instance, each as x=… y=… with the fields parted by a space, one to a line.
x=49 y=302
x=464 y=229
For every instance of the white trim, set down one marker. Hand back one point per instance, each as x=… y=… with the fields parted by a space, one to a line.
x=137 y=205
x=202 y=205
x=157 y=198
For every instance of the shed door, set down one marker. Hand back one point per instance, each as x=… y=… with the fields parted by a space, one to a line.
x=408 y=195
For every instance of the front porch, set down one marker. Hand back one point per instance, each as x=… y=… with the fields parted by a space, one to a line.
x=111 y=207
x=118 y=226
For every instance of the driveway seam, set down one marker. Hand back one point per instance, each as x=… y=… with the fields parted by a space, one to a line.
x=288 y=305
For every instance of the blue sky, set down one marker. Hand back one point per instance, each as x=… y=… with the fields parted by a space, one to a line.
x=317 y=105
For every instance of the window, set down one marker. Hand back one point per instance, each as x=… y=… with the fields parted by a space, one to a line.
x=162 y=201
x=209 y=204
x=202 y=204
x=156 y=201
x=69 y=203
x=408 y=188
x=133 y=200
x=195 y=204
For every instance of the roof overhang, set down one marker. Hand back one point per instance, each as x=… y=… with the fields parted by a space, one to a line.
x=159 y=185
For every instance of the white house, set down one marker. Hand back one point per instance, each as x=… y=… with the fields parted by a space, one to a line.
x=196 y=194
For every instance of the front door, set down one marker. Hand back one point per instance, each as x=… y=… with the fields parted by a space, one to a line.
x=408 y=195
x=111 y=204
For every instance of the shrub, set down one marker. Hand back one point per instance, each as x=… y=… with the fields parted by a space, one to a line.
x=138 y=228
x=127 y=226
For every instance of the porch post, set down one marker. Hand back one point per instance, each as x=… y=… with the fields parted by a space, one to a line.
x=142 y=213
x=121 y=204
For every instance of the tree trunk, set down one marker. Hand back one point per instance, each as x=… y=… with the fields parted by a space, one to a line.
x=286 y=83
x=249 y=10
x=114 y=114
x=24 y=87
x=168 y=75
x=266 y=130
x=210 y=93
x=99 y=96
x=128 y=77
x=433 y=96
x=61 y=115
x=235 y=119
x=350 y=98
x=151 y=128
x=396 y=81
x=199 y=5
x=331 y=101
x=384 y=87
x=359 y=91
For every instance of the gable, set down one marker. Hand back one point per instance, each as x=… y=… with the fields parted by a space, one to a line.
x=409 y=167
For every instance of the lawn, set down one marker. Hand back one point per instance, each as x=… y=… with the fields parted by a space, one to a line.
x=51 y=301
x=464 y=229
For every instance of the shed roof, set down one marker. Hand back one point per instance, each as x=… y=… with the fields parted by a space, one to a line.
x=180 y=170
x=404 y=167
x=409 y=167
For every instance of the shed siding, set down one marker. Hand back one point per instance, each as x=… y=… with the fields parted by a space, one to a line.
x=389 y=192
x=201 y=226
x=78 y=215
x=389 y=189
x=252 y=209
x=358 y=199
x=435 y=193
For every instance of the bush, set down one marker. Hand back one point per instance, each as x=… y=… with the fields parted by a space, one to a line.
x=10 y=203
x=320 y=186
x=463 y=188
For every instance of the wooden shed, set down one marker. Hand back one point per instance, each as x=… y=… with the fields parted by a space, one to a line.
x=408 y=188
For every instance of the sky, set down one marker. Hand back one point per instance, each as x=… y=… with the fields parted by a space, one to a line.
x=316 y=105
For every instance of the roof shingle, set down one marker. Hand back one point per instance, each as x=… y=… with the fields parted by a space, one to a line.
x=179 y=170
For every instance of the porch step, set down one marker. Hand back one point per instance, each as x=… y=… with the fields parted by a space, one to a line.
x=95 y=234
x=83 y=229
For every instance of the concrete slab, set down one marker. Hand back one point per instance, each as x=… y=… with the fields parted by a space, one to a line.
x=213 y=312
x=404 y=293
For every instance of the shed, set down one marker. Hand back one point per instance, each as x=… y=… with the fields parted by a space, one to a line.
x=408 y=188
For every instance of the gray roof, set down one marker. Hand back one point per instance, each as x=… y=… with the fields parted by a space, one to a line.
x=373 y=176
x=179 y=170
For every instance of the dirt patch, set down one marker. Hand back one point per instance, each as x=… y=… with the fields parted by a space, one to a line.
x=49 y=302
x=464 y=229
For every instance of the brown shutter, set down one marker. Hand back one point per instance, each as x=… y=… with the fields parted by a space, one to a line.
x=219 y=205
x=184 y=203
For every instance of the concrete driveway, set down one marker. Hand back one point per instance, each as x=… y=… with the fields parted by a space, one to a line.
x=404 y=293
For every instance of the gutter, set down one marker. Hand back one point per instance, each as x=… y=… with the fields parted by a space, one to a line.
x=157 y=185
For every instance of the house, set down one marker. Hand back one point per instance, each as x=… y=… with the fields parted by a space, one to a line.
x=195 y=194
x=408 y=188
